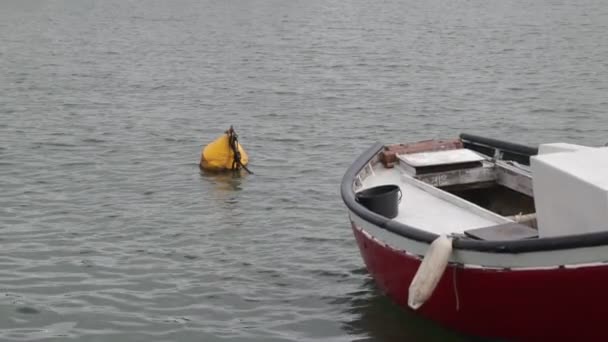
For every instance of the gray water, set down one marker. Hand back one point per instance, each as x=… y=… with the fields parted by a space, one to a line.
x=108 y=231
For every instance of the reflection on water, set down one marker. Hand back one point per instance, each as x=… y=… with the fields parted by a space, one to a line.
x=377 y=318
x=224 y=191
x=224 y=183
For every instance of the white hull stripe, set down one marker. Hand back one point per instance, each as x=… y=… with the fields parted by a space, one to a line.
x=570 y=258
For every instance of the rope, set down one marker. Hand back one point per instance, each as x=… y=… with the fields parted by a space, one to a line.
x=233 y=140
x=456 y=288
x=454 y=279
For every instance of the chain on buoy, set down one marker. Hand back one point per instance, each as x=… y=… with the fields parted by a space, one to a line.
x=225 y=154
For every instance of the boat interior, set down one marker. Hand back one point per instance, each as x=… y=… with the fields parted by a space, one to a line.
x=468 y=187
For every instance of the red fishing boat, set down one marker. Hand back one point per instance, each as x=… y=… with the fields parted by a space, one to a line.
x=490 y=238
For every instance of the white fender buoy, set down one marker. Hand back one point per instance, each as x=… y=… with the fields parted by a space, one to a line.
x=430 y=271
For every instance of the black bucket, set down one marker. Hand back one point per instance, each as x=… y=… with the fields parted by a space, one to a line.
x=383 y=199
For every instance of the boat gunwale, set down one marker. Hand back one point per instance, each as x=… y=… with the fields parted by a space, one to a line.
x=508 y=247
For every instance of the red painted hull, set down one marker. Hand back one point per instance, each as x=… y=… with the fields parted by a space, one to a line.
x=552 y=304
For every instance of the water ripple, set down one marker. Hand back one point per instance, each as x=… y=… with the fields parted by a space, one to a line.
x=111 y=232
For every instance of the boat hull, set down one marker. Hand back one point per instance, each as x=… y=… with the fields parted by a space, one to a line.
x=532 y=304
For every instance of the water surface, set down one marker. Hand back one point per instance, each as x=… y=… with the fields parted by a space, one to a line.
x=110 y=232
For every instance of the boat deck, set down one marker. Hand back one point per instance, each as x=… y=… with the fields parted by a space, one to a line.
x=427 y=208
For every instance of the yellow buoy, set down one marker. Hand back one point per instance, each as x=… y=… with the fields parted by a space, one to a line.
x=224 y=153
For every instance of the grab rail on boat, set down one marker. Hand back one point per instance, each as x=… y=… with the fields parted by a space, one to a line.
x=499 y=148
